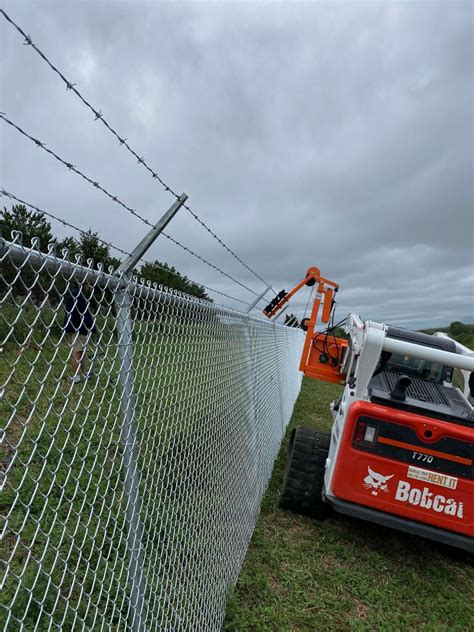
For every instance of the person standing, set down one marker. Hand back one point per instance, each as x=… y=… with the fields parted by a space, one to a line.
x=79 y=325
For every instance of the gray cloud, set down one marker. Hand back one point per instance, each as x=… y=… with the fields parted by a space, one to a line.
x=337 y=135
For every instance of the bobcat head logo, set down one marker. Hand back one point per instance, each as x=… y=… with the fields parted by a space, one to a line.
x=376 y=482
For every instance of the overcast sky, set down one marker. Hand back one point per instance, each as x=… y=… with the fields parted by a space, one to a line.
x=331 y=134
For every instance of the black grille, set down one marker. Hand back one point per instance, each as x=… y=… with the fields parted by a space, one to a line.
x=419 y=389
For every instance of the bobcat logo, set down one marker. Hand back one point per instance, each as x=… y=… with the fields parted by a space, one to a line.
x=376 y=482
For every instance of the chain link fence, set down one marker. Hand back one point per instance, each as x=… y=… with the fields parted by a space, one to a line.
x=139 y=431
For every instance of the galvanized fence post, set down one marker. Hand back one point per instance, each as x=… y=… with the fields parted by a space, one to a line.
x=280 y=390
x=123 y=302
x=259 y=297
x=135 y=551
x=253 y=425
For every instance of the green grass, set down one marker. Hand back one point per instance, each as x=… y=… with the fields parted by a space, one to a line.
x=344 y=574
x=62 y=451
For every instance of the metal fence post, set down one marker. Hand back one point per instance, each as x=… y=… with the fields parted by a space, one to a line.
x=247 y=329
x=135 y=551
x=280 y=390
x=123 y=302
x=260 y=296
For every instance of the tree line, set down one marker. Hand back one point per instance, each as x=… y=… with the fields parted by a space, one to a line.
x=34 y=224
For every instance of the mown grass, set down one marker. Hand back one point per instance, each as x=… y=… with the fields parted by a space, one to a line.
x=344 y=574
x=65 y=556
x=63 y=501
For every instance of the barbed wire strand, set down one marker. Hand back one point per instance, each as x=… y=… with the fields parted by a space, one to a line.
x=98 y=116
x=109 y=244
x=71 y=167
x=174 y=241
x=116 y=199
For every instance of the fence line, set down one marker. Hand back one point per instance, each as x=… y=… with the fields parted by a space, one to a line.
x=131 y=491
x=64 y=222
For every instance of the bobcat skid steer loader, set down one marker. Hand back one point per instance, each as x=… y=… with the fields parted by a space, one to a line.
x=401 y=449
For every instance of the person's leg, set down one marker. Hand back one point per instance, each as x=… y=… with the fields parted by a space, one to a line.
x=81 y=353
x=76 y=361
x=77 y=356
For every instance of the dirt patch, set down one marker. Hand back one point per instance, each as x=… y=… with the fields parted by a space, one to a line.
x=362 y=610
x=294 y=533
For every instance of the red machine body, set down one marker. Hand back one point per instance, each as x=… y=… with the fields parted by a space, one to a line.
x=406 y=464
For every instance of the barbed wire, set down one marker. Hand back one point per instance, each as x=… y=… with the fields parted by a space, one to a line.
x=198 y=219
x=64 y=222
x=109 y=244
x=116 y=199
x=71 y=167
x=207 y=262
x=98 y=116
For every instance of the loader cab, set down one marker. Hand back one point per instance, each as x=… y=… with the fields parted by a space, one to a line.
x=415 y=367
x=426 y=386
x=423 y=369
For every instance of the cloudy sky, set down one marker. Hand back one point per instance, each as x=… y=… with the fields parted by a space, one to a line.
x=330 y=134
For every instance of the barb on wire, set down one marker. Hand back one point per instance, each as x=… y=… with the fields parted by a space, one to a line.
x=207 y=262
x=109 y=244
x=70 y=86
x=198 y=219
x=115 y=198
x=71 y=167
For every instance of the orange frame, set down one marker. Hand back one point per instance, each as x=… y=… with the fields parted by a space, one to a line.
x=317 y=357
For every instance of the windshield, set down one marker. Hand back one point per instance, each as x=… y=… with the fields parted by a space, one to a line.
x=416 y=367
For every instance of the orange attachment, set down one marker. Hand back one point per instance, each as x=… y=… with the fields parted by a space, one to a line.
x=322 y=355
x=325 y=357
x=327 y=305
x=313 y=275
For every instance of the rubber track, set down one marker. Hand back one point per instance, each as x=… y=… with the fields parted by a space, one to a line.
x=304 y=473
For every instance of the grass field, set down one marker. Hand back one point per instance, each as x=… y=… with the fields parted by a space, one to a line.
x=64 y=554
x=63 y=503
x=344 y=574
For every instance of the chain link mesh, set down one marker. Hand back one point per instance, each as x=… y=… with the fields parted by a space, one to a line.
x=131 y=484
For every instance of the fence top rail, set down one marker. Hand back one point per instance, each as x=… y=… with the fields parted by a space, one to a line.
x=60 y=263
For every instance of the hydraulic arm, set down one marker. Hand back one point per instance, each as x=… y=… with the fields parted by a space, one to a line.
x=323 y=352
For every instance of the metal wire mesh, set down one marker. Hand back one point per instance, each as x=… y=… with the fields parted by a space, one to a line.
x=131 y=483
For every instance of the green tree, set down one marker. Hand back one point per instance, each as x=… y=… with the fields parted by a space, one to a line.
x=90 y=247
x=72 y=246
x=457 y=328
x=29 y=223
x=163 y=274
